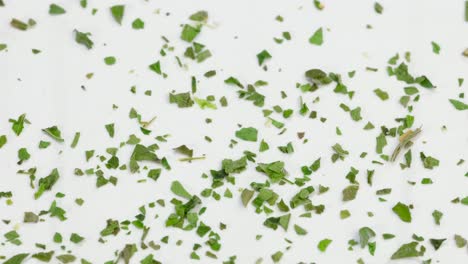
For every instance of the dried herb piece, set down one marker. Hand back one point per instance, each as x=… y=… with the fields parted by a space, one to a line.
x=459 y=105
x=323 y=244
x=83 y=39
x=181 y=99
x=262 y=56
x=54 y=133
x=55 y=9
x=403 y=212
x=378 y=8
x=117 y=12
x=200 y=16
x=16 y=259
x=408 y=251
x=247 y=134
x=18 y=24
x=405 y=141
x=317 y=37
x=349 y=193
x=138 y=24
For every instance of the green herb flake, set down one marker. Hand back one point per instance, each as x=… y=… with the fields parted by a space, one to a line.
x=110 y=60
x=323 y=244
x=189 y=33
x=403 y=212
x=262 y=56
x=408 y=251
x=378 y=8
x=54 y=133
x=435 y=47
x=247 y=134
x=317 y=37
x=138 y=24
x=178 y=189
x=459 y=105
x=117 y=12
x=83 y=39
x=55 y=9
x=18 y=24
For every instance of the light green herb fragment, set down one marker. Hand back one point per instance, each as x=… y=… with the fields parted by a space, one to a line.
x=178 y=189
x=403 y=212
x=75 y=238
x=262 y=56
x=435 y=47
x=277 y=256
x=378 y=8
x=16 y=259
x=381 y=94
x=66 y=258
x=300 y=231
x=365 y=234
x=109 y=60
x=54 y=133
x=323 y=244
x=247 y=134
x=46 y=183
x=118 y=13
x=44 y=256
x=437 y=216
x=3 y=140
x=459 y=105
x=181 y=99
x=138 y=24
x=460 y=241
x=350 y=192
x=55 y=9
x=75 y=141
x=18 y=125
x=189 y=33
x=200 y=16
x=203 y=103
x=317 y=37
x=246 y=196
x=83 y=39
x=408 y=251
x=110 y=129
x=356 y=114
x=156 y=67
x=18 y=24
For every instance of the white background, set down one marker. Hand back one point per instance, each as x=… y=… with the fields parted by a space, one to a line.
x=47 y=88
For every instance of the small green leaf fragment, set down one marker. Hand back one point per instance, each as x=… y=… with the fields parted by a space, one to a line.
x=349 y=193
x=178 y=189
x=378 y=8
x=408 y=251
x=3 y=140
x=459 y=105
x=54 y=132
x=138 y=24
x=83 y=39
x=435 y=47
x=262 y=56
x=75 y=141
x=323 y=244
x=189 y=33
x=55 y=9
x=247 y=134
x=118 y=13
x=403 y=212
x=317 y=37
x=111 y=60
x=17 y=259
